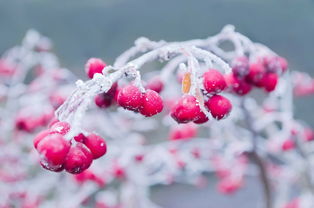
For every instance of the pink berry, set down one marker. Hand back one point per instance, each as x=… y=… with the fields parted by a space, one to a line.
x=96 y=145
x=40 y=136
x=186 y=109
x=283 y=64
x=155 y=84
x=288 y=145
x=213 y=81
x=238 y=86
x=219 y=106
x=269 y=82
x=240 y=66
x=53 y=149
x=93 y=66
x=60 y=128
x=130 y=97
x=151 y=104
x=78 y=159
x=256 y=73
x=183 y=131
x=229 y=185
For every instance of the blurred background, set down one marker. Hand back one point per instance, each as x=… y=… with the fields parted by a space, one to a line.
x=81 y=29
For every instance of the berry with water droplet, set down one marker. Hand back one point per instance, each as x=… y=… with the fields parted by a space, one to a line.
x=78 y=159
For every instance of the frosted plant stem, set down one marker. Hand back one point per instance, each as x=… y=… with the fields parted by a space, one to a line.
x=257 y=159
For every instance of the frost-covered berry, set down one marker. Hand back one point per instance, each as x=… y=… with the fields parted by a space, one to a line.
x=238 y=86
x=186 y=109
x=40 y=136
x=151 y=104
x=214 y=81
x=93 y=66
x=53 y=150
x=218 y=106
x=240 y=66
x=256 y=73
x=275 y=64
x=202 y=118
x=96 y=144
x=60 y=128
x=78 y=159
x=269 y=82
x=130 y=97
x=155 y=84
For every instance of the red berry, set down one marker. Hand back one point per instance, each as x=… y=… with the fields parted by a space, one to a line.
x=288 y=145
x=130 y=97
x=240 y=66
x=186 y=109
x=213 y=81
x=219 y=106
x=238 y=86
x=155 y=84
x=269 y=82
x=256 y=73
x=40 y=136
x=53 y=149
x=96 y=145
x=151 y=104
x=80 y=138
x=60 y=128
x=78 y=159
x=93 y=66
x=202 y=118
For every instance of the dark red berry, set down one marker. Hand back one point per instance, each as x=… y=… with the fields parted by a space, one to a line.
x=202 y=118
x=218 y=106
x=151 y=104
x=214 y=81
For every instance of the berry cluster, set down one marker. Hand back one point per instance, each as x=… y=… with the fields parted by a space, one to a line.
x=187 y=109
x=261 y=73
x=75 y=155
x=129 y=97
